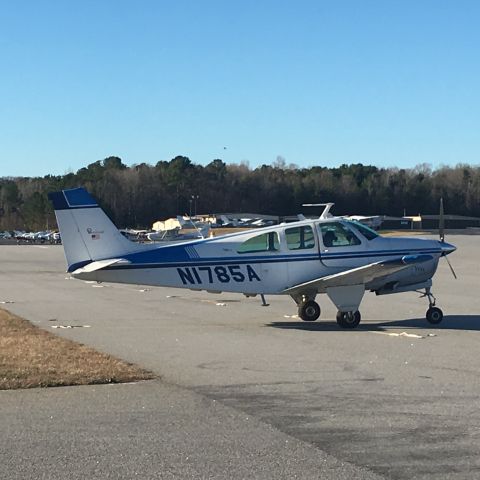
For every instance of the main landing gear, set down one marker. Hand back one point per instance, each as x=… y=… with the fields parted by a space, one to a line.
x=308 y=308
x=309 y=311
x=434 y=315
x=348 y=319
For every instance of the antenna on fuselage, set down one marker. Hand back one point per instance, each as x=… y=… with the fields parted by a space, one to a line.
x=326 y=211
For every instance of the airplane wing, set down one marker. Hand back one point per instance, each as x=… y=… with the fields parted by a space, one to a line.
x=359 y=275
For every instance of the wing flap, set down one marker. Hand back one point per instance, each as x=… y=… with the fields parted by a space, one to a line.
x=360 y=275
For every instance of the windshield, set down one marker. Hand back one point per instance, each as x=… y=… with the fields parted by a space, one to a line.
x=367 y=232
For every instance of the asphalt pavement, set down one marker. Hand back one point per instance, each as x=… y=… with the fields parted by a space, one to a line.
x=247 y=391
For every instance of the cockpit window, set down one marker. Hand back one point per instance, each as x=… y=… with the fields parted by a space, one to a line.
x=367 y=232
x=266 y=242
x=334 y=234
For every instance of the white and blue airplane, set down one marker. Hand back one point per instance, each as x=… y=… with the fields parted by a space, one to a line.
x=302 y=259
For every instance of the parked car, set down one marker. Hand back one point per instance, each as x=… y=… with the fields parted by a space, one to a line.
x=55 y=238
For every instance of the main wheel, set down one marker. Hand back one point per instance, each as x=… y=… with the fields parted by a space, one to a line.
x=348 y=319
x=434 y=315
x=309 y=311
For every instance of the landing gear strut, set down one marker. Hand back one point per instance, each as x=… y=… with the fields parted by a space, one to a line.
x=434 y=315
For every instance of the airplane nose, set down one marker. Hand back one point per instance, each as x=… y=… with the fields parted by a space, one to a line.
x=447 y=248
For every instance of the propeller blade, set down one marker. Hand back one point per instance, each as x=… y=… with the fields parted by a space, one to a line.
x=451 y=268
x=441 y=222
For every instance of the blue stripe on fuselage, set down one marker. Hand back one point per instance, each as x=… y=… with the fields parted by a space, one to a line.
x=141 y=260
x=180 y=253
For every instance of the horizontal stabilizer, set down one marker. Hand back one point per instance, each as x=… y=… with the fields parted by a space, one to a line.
x=98 y=265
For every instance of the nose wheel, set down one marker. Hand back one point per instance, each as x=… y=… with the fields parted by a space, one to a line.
x=434 y=315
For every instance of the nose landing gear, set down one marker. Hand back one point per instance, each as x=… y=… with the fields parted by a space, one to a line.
x=434 y=315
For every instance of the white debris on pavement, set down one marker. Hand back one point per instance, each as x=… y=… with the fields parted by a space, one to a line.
x=70 y=326
x=403 y=334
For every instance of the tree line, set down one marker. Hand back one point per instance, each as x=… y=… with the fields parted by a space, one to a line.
x=138 y=195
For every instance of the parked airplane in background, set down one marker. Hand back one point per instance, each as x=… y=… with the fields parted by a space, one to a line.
x=176 y=234
x=226 y=222
x=302 y=259
x=374 y=221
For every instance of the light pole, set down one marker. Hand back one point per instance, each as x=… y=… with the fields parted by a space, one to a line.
x=195 y=198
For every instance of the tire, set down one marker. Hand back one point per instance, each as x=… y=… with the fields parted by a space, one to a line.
x=348 y=319
x=309 y=311
x=434 y=315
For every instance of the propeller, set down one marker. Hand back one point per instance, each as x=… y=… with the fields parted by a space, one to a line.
x=441 y=222
x=441 y=232
x=450 y=265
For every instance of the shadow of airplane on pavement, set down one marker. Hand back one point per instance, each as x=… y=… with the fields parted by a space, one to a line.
x=450 y=322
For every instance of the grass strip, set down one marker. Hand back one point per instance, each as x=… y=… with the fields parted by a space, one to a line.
x=31 y=357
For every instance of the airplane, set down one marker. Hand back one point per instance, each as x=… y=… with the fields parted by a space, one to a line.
x=328 y=255
x=226 y=222
x=374 y=221
x=176 y=234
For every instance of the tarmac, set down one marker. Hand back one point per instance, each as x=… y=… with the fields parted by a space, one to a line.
x=246 y=391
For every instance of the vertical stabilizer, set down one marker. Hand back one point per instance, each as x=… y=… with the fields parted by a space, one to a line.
x=87 y=233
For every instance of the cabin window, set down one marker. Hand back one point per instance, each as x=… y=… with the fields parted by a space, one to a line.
x=335 y=234
x=267 y=242
x=300 y=238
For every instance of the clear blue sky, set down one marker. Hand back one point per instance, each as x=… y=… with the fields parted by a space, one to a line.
x=384 y=82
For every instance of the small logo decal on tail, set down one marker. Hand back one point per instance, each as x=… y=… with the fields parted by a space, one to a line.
x=94 y=233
